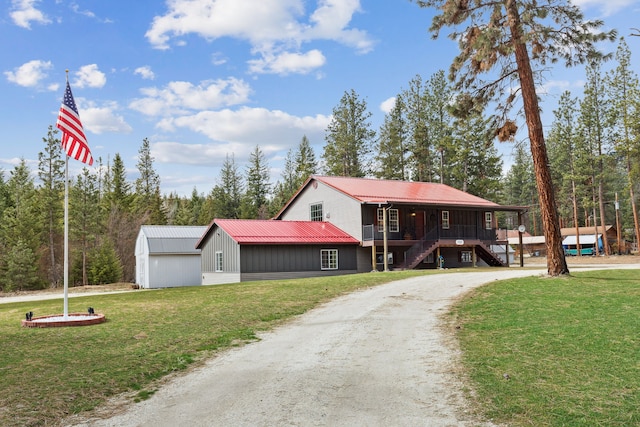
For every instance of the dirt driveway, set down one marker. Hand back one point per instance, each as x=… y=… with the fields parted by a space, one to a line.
x=377 y=357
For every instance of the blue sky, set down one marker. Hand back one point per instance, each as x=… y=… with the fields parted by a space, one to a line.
x=206 y=78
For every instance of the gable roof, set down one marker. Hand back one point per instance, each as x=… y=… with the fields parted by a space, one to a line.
x=172 y=239
x=374 y=191
x=263 y=232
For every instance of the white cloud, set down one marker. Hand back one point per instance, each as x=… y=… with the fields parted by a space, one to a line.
x=388 y=104
x=24 y=12
x=103 y=118
x=30 y=73
x=331 y=20
x=275 y=29
x=286 y=63
x=606 y=7
x=90 y=76
x=181 y=97
x=251 y=126
x=145 y=72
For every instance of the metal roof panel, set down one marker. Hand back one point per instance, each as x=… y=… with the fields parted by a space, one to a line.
x=284 y=232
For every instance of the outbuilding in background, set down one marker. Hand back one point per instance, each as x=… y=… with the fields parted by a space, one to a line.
x=166 y=256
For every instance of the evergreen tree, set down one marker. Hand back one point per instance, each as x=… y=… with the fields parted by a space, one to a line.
x=287 y=187
x=117 y=188
x=256 y=196
x=475 y=166
x=595 y=123
x=624 y=90
x=499 y=35
x=85 y=223
x=349 y=138
x=147 y=196
x=567 y=156
x=105 y=265
x=438 y=99
x=520 y=188
x=20 y=229
x=51 y=196
x=420 y=142
x=391 y=153
x=225 y=198
x=20 y=270
x=305 y=162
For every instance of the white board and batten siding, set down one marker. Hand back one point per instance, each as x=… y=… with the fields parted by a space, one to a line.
x=166 y=256
x=220 y=242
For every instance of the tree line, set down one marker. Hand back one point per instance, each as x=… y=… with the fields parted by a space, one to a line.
x=593 y=153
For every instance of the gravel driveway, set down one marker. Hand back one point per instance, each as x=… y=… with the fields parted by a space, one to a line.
x=377 y=357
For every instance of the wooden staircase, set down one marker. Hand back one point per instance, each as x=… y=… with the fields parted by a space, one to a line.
x=422 y=249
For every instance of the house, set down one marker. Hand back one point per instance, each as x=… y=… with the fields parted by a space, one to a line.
x=235 y=250
x=424 y=221
x=166 y=256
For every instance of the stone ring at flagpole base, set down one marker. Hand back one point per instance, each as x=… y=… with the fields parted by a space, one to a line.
x=60 y=320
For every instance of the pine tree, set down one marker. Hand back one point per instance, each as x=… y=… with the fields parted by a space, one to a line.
x=475 y=166
x=51 y=195
x=349 y=138
x=624 y=90
x=258 y=186
x=20 y=226
x=419 y=141
x=567 y=157
x=84 y=218
x=391 y=157
x=499 y=35
x=148 y=200
x=438 y=99
x=305 y=161
x=519 y=185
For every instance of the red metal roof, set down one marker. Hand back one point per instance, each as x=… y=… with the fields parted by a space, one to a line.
x=380 y=191
x=248 y=231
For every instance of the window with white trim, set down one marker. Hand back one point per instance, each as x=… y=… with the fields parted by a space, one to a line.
x=393 y=219
x=315 y=212
x=465 y=256
x=219 y=261
x=445 y=220
x=488 y=220
x=328 y=259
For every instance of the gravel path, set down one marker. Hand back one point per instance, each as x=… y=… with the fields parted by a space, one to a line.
x=377 y=357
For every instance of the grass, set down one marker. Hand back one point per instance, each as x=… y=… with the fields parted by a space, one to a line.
x=570 y=349
x=47 y=374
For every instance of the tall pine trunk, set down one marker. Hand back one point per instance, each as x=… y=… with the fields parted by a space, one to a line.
x=556 y=262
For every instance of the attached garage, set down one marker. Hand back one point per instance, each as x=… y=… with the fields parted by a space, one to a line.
x=166 y=256
x=236 y=250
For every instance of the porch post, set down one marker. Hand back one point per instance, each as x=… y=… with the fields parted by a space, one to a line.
x=373 y=257
x=473 y=256
x=385 y=249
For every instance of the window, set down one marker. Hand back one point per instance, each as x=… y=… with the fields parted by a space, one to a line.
x=218 y=261
x=392 y=220
x=488 y=221
x=315 y=212
x=465 y=256
x=445 y=220
x=394 y=223
x=328 y=259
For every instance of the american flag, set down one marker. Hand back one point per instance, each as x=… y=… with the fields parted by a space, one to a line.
x=73 y=140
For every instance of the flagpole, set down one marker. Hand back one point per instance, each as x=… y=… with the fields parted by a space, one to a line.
x=66 y=230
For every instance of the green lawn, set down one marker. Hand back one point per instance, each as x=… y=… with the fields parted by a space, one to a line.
x=47 y=374
x=570 y=349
